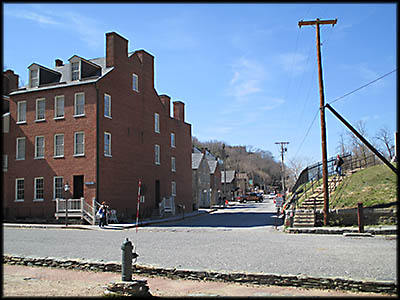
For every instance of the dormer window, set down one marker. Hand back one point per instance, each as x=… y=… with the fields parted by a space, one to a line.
x=75 y=70
x=34 y=77
x=40 y=75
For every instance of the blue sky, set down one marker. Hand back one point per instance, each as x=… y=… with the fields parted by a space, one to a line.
x=246 y=72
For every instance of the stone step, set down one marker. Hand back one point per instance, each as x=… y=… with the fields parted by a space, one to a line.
x=303 y=224
x=304 y=216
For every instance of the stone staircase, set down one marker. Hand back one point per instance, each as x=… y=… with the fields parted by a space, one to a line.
x=305 y=213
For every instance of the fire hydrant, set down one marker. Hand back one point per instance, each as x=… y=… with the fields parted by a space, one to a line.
x=127 y=256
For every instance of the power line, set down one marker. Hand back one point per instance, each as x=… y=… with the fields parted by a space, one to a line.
x=365 y=85
x=308 y=131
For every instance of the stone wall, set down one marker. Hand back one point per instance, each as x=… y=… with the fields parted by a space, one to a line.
x=349 y=217
x=386 y=287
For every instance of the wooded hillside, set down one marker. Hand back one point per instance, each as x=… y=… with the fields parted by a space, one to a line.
x=260 y=165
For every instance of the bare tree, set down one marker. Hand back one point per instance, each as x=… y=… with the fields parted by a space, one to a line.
x=357 y=146
x=342 y=146
x=383 y=136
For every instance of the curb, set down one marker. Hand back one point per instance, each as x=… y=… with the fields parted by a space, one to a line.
x=95 y=227
x=344 y=231
x=335 y=283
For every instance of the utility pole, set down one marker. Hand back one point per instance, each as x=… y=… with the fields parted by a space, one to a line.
x=224 y=158
x=317 y=22
x=283 y=150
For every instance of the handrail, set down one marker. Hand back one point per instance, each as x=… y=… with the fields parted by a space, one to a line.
x=349 y=164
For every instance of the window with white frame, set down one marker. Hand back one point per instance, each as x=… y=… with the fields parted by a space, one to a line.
x=135 y=85
x=107 y=105
x=5 y=162
x=79 y=107
x=75 y=71
x=157 y=153
x=40 y=109
x=58 y=187
x=39 y=188
x=59 y=145
x=156 y=123
x=21 y=112
x=39 y=147
x=79 y=144
x=19 y=189
x=173 y=188
x=59 y=107
x=173 y=167
x=34 y=77
x=20 y=154
x=107 y=144
x=172 y=140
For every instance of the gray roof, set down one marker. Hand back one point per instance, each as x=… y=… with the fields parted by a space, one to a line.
x=65 y=71
x=213 y=165
x=196 y=160
x=230 y=176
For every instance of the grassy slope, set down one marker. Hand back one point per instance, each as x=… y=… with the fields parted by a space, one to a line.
x=374 y=185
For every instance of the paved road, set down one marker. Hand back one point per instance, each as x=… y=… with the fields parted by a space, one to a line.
x=241 y=238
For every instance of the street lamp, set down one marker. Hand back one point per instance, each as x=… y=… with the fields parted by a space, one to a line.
x=66 y=189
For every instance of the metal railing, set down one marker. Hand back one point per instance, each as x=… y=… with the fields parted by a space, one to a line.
x=74 y=205
x=80 y=208
x=167 y=205
x=350 y=163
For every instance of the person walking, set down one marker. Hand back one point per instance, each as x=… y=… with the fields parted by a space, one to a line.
x=338 y=163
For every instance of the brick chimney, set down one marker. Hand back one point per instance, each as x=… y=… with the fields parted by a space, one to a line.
x=116 y=49
x=179 y=111
x=59 y=63
x=10 y=81
x=166 y=101
x=147 y=61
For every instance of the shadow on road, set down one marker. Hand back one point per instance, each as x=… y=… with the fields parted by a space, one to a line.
x=237 y=219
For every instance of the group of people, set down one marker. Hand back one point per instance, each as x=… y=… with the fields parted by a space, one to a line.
x=102 y=213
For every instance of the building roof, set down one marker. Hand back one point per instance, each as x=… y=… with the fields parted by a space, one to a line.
x=230 y=176
x=65 y=71
x=196 y=160
x=213 y=165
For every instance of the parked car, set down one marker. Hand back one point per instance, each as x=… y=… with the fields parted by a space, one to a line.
x=250 y=197
x=272 y=196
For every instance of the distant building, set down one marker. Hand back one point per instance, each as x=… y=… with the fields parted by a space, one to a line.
x=201 y=186
x=228 y=183
x=100 y=126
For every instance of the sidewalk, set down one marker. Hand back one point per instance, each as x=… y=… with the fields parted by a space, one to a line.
x=28 y=281
x=347 y=231
x=119 y=226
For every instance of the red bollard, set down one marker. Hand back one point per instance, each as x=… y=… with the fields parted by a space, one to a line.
x=360 y=217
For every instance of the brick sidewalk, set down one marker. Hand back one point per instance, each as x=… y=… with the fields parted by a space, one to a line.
x=43 y=281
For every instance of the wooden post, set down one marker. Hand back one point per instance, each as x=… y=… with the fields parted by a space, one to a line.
x=360 y=217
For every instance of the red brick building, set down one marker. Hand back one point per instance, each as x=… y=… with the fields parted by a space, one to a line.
x=100 y=126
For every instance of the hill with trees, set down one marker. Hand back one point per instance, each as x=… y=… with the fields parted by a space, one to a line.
x=260 y=165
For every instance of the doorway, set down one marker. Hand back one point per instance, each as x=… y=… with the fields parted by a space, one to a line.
x=78 y=186
x=157 y=193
